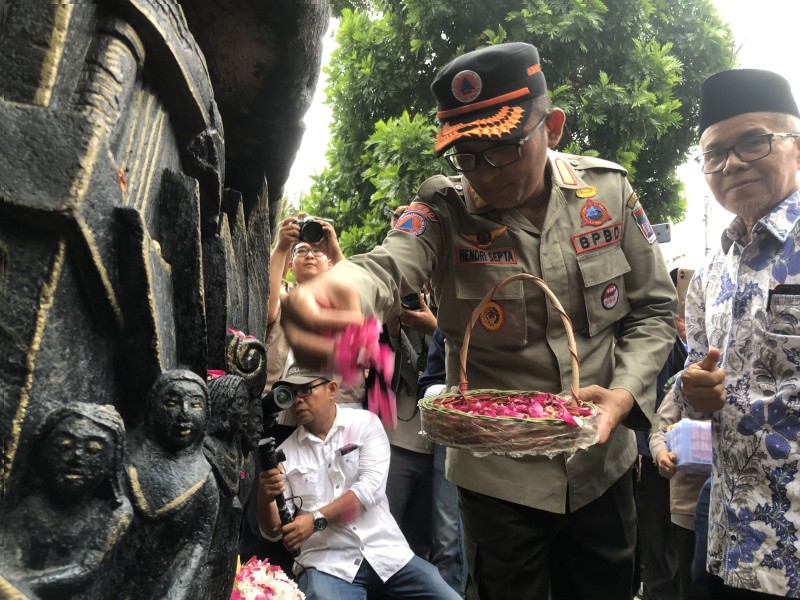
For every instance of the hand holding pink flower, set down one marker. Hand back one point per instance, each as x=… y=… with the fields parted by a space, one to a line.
x=357 y=348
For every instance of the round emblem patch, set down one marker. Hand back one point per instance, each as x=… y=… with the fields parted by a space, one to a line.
x=484 y=238
x=413 y=223
x=610 y=296
x=466 y=86
x=492 y=316
x=594 y=213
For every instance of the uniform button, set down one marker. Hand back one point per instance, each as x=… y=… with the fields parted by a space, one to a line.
x=459 y=187
x=573 y=162
x=329 y=466
x=354 y=528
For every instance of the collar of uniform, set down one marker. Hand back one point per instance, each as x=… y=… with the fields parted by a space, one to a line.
x=563 y=172
x=473 y=201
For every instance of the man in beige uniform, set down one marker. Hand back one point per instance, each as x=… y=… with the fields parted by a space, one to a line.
x=531 y=524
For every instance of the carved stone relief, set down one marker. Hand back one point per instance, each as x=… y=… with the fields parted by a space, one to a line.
x=127 y=254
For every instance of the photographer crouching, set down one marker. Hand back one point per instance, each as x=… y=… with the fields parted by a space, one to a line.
x=308 y=247
x=335 y=471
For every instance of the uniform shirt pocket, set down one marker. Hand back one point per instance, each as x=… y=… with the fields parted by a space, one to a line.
x=502 y=322
x=348 y=465
x=604 y=294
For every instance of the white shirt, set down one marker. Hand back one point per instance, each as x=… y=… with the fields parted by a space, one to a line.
x=354 y=456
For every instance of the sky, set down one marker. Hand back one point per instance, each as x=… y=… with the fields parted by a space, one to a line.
x=763 y=30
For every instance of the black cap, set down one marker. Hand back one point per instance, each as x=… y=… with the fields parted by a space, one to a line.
x=739 y=91
x=487 y=94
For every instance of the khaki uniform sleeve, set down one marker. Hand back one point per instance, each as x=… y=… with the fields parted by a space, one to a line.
x=406 y=258
x=646 y=334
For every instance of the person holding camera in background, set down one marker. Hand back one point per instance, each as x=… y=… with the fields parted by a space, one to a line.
x=309 y=248
x=337 y=463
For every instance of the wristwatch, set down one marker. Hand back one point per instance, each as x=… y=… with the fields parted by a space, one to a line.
x=320 y=522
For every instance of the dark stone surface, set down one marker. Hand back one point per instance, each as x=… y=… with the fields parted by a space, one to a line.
x=144 y=147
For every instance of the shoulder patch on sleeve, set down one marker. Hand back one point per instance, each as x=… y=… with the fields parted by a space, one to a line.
x=641 y=219
x=412 y=222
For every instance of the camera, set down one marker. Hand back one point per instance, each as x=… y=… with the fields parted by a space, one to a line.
x=311 y=230
x=411 y=302
x=273 y=402
x=278 y=399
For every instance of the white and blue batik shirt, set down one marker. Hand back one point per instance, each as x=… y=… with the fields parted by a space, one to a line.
x=735 y=304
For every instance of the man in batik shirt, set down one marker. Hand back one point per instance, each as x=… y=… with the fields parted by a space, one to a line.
x=743 y=326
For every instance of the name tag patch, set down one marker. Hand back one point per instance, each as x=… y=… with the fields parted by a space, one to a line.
x=469 y=255
x=597 y=238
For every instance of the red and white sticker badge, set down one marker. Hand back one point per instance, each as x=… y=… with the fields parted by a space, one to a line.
x=610 y=296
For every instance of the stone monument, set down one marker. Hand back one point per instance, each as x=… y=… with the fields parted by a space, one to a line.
x=144 y=146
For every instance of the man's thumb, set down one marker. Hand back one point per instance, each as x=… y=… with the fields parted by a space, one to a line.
x=709 y=363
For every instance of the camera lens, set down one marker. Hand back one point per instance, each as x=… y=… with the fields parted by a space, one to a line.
x=277 y=400
x=284 y=396
x=311 y=232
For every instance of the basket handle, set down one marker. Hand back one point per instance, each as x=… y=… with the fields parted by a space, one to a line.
x=575 y=384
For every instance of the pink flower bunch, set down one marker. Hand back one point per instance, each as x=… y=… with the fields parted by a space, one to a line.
x=357 y=348
x=259 y=580
x=537 y=406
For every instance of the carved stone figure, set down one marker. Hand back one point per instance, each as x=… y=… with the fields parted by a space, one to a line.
x=133 y=235
x=253 y=427
x=173 y=490
x=230 y=399
x=67 y=530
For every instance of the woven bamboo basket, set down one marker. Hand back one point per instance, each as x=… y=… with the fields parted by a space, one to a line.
x=445 y=424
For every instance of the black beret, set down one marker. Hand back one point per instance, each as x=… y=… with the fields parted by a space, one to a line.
x=487 y=94
x=739 y=91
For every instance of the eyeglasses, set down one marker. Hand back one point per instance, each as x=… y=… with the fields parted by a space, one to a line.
x=304 y=391
x=304 y=251
x=498 y=156
x=749 y=150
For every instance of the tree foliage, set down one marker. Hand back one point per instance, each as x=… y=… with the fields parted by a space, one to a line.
x=626 y=72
